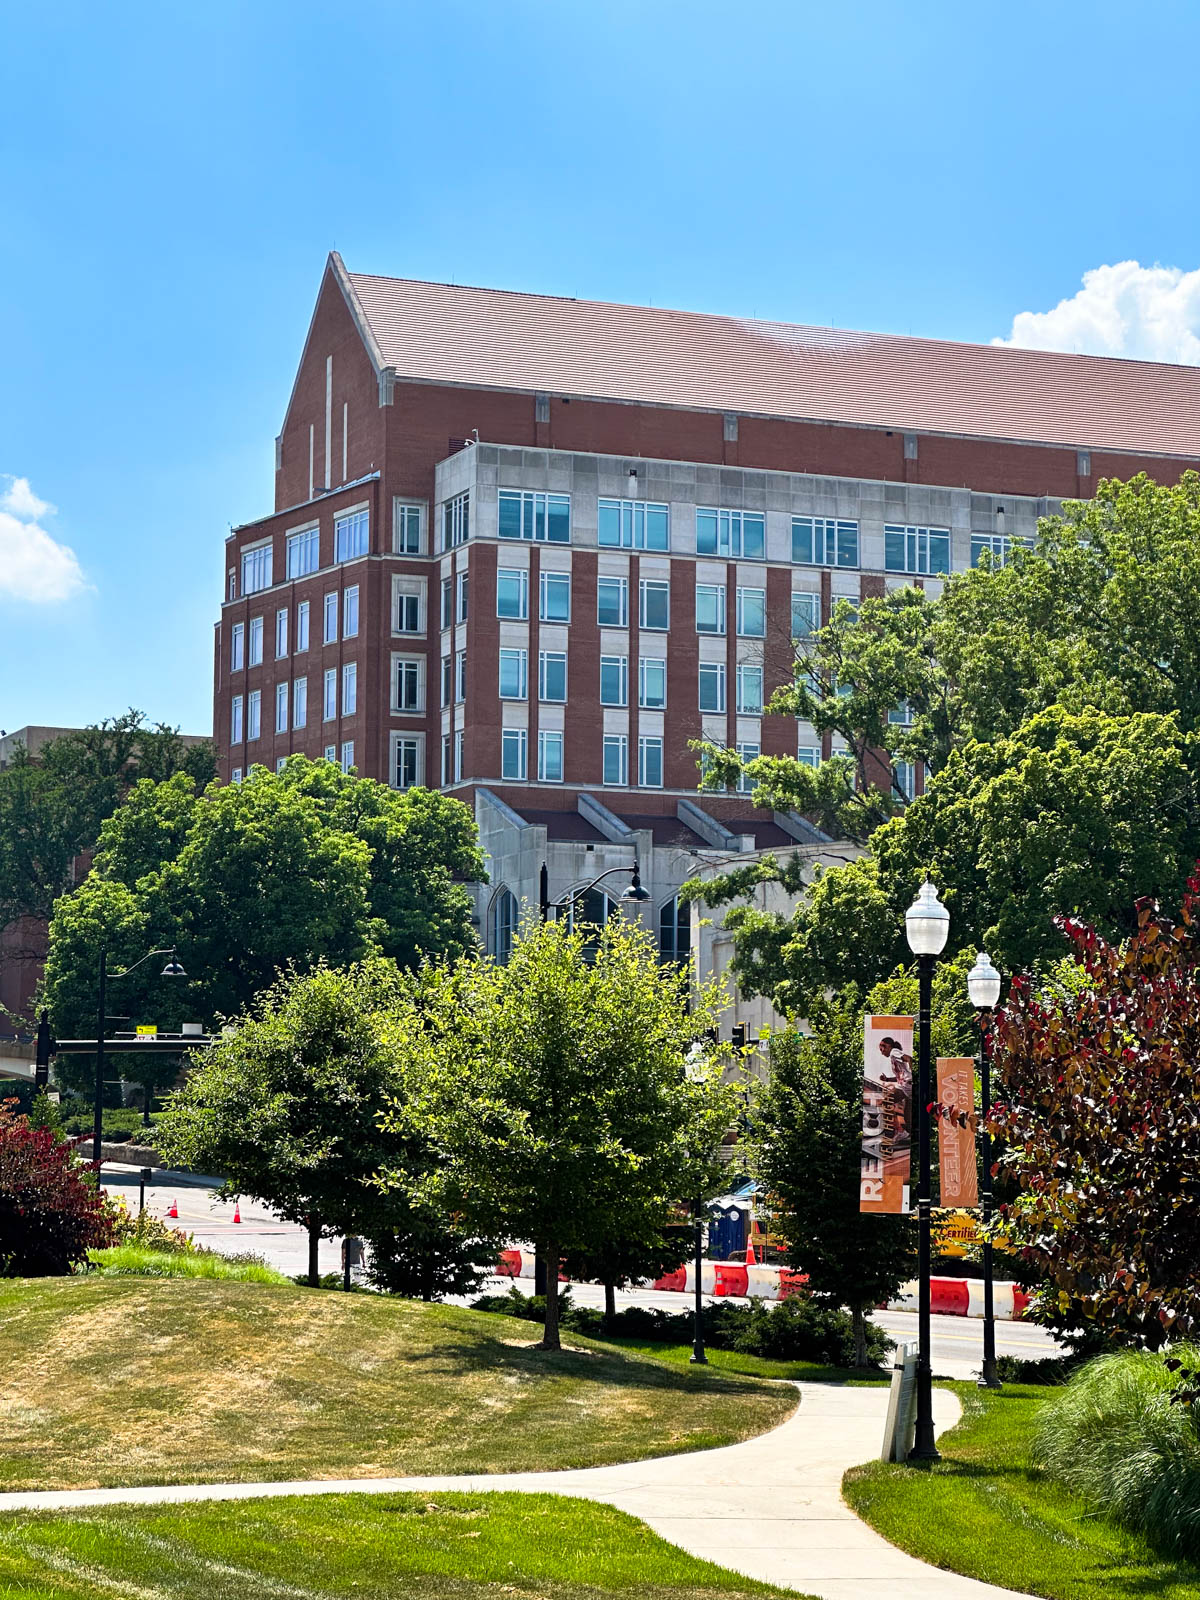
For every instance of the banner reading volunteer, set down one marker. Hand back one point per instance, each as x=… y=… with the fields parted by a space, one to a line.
x=887 y=1114
x=956 y=1132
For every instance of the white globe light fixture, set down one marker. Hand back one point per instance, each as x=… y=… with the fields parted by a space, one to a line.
x=983 y=983
x=927 y=922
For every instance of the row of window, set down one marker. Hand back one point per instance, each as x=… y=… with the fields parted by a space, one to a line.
x=246 y=640
x=331 y=754
x=291 y=704
x=624 y=525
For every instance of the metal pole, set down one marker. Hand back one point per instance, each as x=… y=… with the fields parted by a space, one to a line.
x=98 y=1106
x=989 y=1378
x=698 y=1356
x=544 y=892
x=41 y=1068
x=924 y=1449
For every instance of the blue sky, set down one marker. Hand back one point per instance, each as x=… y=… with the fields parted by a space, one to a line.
x=173 y=177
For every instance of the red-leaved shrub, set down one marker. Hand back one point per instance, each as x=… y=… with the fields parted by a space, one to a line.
x=50 y=1215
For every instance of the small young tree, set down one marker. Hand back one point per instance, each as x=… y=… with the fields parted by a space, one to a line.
x=285 y=1108
x=1099 y=1115
x=555 y=1094
x=809 y=1146
x=51 y=1215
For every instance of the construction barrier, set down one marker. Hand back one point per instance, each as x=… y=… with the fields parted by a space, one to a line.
x=948 y=1297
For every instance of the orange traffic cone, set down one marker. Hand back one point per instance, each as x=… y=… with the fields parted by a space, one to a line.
x=751 y=1260
x=173 y=1210
x=237 y=1212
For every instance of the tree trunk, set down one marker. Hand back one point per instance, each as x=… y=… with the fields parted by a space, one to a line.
x=610 y=1305
x=859 y=1323
x=427 y=1276
x=550 y=1339
x=314 y=1239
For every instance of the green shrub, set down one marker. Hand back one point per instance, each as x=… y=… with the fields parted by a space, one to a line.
x=121 y=1124
x=146 y=1230
x=792 y=1330
x=1116 y=1436
x=132 y=1261
x=1042 y=1370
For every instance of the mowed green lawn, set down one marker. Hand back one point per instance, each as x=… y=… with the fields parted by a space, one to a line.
x=113 y=1381
x=987 y=1511
x=387 y=1547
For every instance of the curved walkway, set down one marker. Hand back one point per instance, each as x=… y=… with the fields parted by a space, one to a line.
x=770 y=1508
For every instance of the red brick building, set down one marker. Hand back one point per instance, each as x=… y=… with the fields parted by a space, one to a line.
x=527 y=548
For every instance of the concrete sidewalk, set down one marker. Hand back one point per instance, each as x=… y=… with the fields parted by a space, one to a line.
x=770 y=1508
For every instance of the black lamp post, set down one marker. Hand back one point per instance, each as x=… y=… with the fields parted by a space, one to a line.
x=927 y=925
x=635 y=891
x=698 y=1358
x=171 y=970
x=983 y=986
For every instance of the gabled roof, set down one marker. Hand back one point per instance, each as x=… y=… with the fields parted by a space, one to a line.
x=498 y=339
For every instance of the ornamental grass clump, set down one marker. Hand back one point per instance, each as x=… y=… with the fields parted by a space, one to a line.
x=1116 y=1435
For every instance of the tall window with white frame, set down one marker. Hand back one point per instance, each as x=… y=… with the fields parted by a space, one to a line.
x=552 y=676
x=406 y=529
x=612 y=602
x=348 y=755
x=650 y=762
x=456 y=521
x=752 y=613
x=460 y=755
x=616 y=758
x=299 y=702
x=447 y=680
x=447 y=608
x=406 y=770
x=281 y=633
x=806 y=615
x=349 y=688
x=351 y=535
x=513 y=753
x=302 y=626
x=655 y=607
x=406 y=606
x=447 y=758
x=406 y=696
x=747 y=752
x=750 y=690
x=512 y=593
x=461 y=591
x=731 y=533
x=652 y=683
x=253 y=714
x=255 y=653
x=710 y=608
x=350 y=612
x=460 y=677
x=237 y=647
x=712 y=686
x=614 y=680
x=235 y=720
x=330 y=632
x=329 y=709
x=633 y=525
x=514 y=674
x=550 y=756
x=555 y=597
x=281 y=707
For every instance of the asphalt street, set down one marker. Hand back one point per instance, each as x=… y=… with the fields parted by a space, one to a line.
x=957 y=1341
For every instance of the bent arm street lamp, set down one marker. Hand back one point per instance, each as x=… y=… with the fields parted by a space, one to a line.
x=171 y=970
x=983 y=987
x=635 y=891
x=927 y=926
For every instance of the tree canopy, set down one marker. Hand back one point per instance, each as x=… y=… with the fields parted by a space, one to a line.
x=1055 y=705
x=556 y=1095
x=284 y=870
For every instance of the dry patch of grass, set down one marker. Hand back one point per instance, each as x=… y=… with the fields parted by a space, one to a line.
x=128 y=1380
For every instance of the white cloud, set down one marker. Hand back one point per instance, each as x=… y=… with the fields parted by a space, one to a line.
x=20 y=499
x=1147 y=313
x=34 y=568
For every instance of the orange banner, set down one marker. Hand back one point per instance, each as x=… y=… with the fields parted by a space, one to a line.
x=956 y=1132
x=887 y=1114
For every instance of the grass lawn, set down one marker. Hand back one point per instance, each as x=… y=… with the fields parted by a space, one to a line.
x=988 y=1512
x=128 y=1380
x=536 y=1547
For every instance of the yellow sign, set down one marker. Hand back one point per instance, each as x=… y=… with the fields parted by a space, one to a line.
x=147 y=1030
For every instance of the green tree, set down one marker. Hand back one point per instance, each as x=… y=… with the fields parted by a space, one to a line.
x=809 y=1141
x=286 y=1108
x=282 y=870
x=555 y=1095
x=1099 y=1118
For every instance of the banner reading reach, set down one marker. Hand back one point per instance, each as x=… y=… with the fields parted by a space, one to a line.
x=887 y=1114
x=956 y=1132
